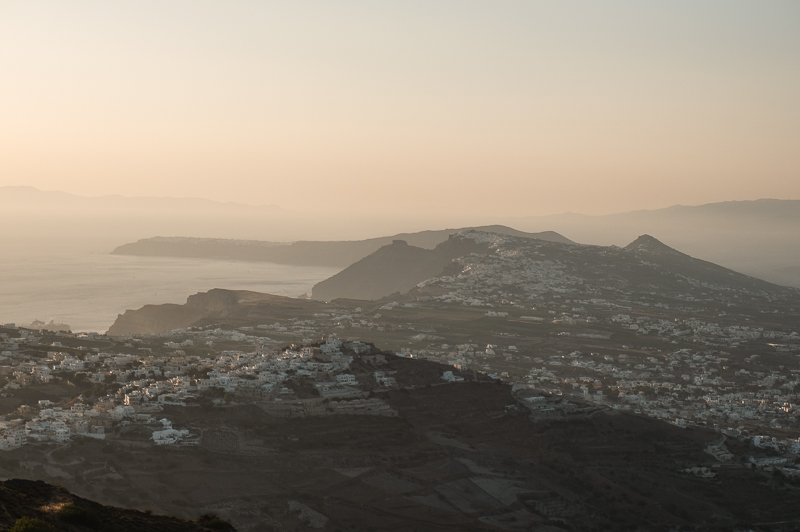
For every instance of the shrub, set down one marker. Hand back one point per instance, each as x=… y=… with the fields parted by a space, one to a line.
x=31 y=524
x=213 y=522
x=78 y=515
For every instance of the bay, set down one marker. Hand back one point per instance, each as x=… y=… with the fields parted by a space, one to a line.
x=81 y=284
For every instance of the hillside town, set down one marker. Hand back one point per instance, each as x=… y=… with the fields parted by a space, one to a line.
x=130 y=389
x=131 y=385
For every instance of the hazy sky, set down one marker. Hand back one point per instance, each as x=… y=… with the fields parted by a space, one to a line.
x=498 y=107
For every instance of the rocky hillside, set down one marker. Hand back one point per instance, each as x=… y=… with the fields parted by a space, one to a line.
x=159 y=318
x=646 y=270
x=476 y=262
x=34 y=506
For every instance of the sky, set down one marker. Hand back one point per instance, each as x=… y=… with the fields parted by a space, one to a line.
x=503 y=108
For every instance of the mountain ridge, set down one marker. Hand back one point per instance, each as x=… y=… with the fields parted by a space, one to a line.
x=758 y=237
x=469 y=266
x=386 y=273
x=304 y=252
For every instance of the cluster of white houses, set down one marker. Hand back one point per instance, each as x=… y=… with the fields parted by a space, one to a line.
x=144 y=384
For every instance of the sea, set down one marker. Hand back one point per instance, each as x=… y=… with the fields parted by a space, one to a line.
x=81 y=284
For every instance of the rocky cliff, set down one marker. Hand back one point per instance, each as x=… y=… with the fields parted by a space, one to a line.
x=154 y=319
x=206 y=307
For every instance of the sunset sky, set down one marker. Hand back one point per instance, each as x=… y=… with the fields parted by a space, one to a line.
x=500 y=107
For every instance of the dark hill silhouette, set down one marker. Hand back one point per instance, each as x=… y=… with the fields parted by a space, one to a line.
x=397 y=267
x=700 y=270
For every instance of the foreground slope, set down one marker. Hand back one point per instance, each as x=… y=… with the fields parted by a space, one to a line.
x=34 y=506
x=471 y=455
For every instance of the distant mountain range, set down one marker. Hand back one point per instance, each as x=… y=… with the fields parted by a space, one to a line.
x=760 y=238
x=303 y=253
x=743 y=212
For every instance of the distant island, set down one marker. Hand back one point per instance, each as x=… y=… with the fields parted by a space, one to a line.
x=303 y=253
x=480 y=269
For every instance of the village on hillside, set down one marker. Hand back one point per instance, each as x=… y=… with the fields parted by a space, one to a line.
x=110 y=389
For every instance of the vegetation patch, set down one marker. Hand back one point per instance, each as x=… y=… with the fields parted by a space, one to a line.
x=78 y=515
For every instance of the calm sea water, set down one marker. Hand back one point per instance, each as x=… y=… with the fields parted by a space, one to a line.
x=86 y=287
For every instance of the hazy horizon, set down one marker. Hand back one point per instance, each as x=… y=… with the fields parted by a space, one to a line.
x=520 y=108
x=278 y=208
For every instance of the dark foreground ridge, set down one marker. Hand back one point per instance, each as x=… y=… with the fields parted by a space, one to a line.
x=35 y=506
